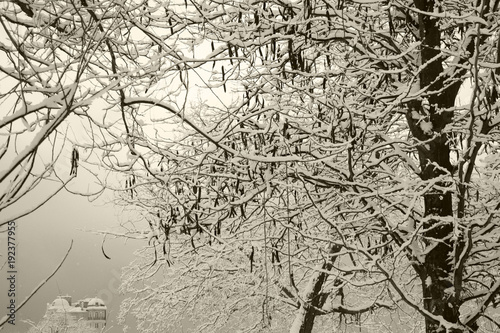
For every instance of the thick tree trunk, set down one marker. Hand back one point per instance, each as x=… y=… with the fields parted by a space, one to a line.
x=304 y=319
x=436 y=272
x=312 y=297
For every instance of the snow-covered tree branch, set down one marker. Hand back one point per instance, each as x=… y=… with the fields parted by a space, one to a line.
x=318 y=157
x=367 y=126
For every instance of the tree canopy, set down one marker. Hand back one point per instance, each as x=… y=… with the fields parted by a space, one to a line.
x=330 y=158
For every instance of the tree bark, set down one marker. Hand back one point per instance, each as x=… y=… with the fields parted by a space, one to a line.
x=436 y=272
x=312 y=298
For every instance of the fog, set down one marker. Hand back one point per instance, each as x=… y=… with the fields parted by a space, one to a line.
x=44 y=237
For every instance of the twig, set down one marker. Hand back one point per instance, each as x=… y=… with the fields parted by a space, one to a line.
x=6 y=318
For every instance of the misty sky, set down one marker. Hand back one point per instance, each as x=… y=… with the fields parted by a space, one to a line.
x=43 y=239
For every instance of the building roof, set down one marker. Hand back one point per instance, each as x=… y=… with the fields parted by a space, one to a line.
x=59 y=304
x=96 y=302
x=62 y=305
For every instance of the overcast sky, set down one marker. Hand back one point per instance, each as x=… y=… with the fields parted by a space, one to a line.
x=43 y=239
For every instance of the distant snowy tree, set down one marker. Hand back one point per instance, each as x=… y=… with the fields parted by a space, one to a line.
x=63 y=323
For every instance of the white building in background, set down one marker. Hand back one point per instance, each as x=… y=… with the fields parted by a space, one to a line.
x=63 y=315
